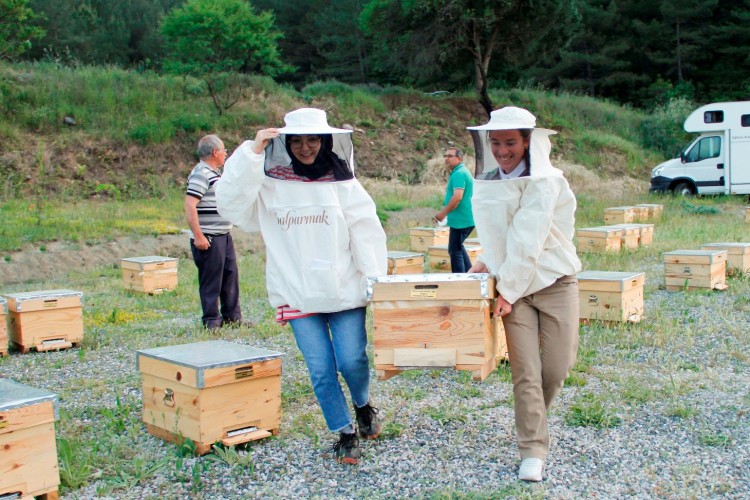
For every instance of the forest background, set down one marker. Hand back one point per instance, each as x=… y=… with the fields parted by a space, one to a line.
x=90 y=89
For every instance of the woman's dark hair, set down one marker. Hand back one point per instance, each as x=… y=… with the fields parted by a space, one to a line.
x=526 y=134
x=325 y=161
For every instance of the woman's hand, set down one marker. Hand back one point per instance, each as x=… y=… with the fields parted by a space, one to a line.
x=263 y=137
x=502 y=306
x=478 y=267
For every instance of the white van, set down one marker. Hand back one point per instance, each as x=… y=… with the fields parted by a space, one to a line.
x=718 y=160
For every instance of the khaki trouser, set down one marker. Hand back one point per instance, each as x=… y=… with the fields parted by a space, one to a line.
x=542 y=335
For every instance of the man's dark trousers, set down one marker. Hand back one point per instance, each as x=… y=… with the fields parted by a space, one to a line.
x=460 y=261
x=218 y=280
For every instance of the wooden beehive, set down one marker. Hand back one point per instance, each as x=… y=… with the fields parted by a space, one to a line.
x=434 y=321
x=439 y=258
x=150 y=274
x=599 y=239
x=738 y=255
x=636 y=234
x=211 y=391
x=653 y=211
x=28 y=452
x=3 y=329
x=405 y=262
x=611 y=296
x=423 y=238
x=691 y=269
x=640 y=213
x=45 y=320
x=619 y=215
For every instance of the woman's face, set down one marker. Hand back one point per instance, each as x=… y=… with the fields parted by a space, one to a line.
x=508 y=148
x=305 y=148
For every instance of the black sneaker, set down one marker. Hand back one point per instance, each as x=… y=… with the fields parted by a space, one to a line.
x=346 y=449
x=368 y=422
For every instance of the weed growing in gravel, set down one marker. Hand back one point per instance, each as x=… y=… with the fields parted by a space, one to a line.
x=589 y=411
x=392 y=429
x=448 y=414
x=231 y=457
x=712 y=438
x=75 y=462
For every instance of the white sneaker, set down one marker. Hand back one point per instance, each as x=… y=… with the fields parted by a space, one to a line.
x=531 y=469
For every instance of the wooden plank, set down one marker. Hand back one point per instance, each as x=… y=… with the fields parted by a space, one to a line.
x=693 y=270
x=26 y=416
x=695 y=256
x=433 y=357
x=213 y=377
x=28 y=462
x=246 y=438
x=167 y=370
x=423 y=291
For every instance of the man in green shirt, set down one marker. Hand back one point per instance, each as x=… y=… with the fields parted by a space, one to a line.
x=458 y=209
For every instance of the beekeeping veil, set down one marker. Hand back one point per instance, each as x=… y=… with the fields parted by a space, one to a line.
x=336 y=150
x=512 y=118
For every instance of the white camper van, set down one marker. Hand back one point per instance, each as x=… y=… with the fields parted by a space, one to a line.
x=718 y=160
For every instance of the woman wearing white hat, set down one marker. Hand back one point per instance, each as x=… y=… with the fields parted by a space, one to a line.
x=525 y=215
x=323 y=240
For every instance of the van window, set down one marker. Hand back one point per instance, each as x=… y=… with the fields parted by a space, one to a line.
x=713 y=117
x=745 y=120
x=708 y=147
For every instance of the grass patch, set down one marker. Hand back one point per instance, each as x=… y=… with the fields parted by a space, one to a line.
x=590 y=411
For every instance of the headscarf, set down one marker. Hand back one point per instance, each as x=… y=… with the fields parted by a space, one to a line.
x=326 y=160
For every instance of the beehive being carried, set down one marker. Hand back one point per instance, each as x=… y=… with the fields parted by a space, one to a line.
x=428 y=321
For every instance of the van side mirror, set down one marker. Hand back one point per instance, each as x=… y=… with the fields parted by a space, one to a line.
x=682 y=156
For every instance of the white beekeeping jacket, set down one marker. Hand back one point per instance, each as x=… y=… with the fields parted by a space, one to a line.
x=323 y=239
x=525 y=225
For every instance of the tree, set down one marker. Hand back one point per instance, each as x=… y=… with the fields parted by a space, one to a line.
x=422 y=36
x=16 y=33
x=218 y=41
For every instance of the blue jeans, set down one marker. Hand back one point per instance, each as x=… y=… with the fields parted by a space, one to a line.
x=331 y=343
x=460 y=261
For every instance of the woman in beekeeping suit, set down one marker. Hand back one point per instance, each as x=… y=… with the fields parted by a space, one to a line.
x=323 y=240
x=524 y=212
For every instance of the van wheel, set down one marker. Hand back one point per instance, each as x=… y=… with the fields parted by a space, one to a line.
x=683 y=189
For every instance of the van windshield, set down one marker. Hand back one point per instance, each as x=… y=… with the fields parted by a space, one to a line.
x=708 y=147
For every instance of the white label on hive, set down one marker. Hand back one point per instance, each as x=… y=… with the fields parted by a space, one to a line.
x=425 y=294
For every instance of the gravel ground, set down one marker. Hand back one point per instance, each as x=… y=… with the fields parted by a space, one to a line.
x=447 y=436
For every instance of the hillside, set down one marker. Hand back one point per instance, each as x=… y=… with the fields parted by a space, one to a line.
x=93 y=131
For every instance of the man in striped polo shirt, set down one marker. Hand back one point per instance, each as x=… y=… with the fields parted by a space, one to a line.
x=211 y=244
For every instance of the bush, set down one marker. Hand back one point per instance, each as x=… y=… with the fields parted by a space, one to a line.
x=663 y=130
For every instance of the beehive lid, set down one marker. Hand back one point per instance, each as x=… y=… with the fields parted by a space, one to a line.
x=428 y=230
x=606 y=280
x=733 y=248
x=695 y=256
x=443 y=286
x=34 y=298
x=15 y=395
x=149 y=259
x=202 y=356
x=603 y=230
x=618 y=209
x=396 y=254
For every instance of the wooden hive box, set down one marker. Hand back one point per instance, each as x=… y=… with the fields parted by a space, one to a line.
x=45 y=320
x=599 y=239
x=28 y=460
x=619 y=215
x=653 y=211
x=211 y=391
x=151 y=274
x=405 y=262
x=640 y=213
x=431 y=321
x=637 y=234
x=738 y=255
x=424 y=237
x=611 y=296
x=3 y=329
x=439 y=258
x=691 y=269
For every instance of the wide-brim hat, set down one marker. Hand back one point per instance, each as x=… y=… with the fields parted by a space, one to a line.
x=306 y=121
x=511 y=118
